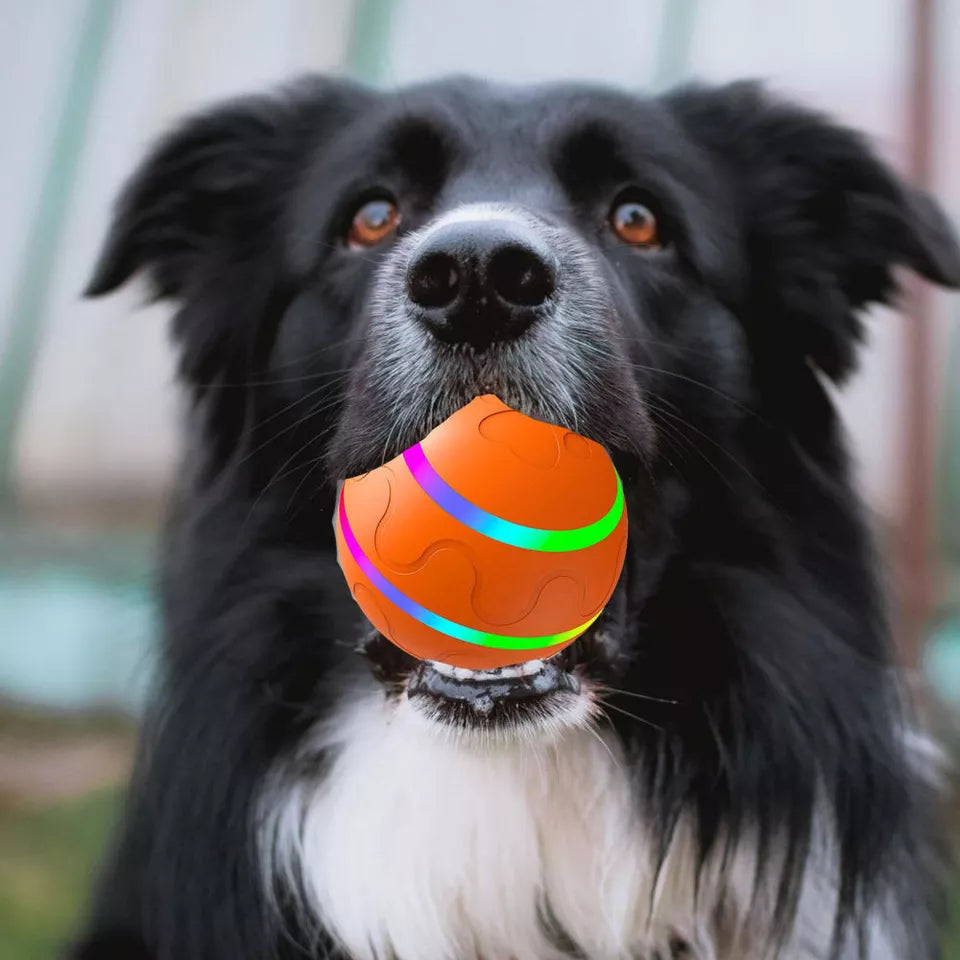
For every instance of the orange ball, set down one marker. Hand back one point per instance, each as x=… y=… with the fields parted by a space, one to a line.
x=495 y=540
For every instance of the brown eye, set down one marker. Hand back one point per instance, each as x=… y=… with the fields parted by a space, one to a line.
x=635 y=223
x=373 y=223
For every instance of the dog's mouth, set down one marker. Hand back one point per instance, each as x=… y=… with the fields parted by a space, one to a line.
x=482 y=690
x=538 y=692
x=545 y=693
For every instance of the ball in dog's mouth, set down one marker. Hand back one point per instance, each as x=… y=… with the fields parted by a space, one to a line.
x=496 y=539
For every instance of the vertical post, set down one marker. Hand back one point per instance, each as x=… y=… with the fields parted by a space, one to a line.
x=369 y=39
x=18 y=354
x=677 y=26
x=916 y=500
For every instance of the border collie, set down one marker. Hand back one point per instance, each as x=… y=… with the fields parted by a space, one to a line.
x=725 y=765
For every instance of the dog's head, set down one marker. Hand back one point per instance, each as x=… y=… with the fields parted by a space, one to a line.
x=672 y=277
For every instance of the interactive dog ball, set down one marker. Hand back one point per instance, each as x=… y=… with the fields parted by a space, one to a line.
x=496 y=539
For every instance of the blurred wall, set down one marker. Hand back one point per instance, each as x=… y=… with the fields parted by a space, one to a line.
x=100 y=417
x=99 y=422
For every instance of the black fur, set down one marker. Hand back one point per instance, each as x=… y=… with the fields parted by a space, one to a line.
x=750 y=596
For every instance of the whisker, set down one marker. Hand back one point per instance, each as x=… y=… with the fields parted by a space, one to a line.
x=609 y=706
x=284 y=409
x=316 y=462
x=293 y=362
x=590 y=727
x=669 y=345
x=638 y=696
x=324 y=403
x=333 y=382
x=682 y=443
x=282 y=470
x=305 y=378
x=683 y=422
x=697 y=383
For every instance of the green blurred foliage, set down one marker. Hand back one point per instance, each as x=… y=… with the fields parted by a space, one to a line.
x=48 y=859
x=951 y=939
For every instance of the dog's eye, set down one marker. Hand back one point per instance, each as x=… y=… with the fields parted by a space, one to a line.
x=635 y=223
x=373 y=223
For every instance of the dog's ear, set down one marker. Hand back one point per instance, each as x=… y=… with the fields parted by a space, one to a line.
x=203 y=220
x=826 y=221
x=216 y=180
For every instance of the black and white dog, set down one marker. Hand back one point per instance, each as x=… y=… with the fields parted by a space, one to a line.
x=723 y=767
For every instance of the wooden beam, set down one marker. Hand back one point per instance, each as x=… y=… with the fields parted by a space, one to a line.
x=916 y=572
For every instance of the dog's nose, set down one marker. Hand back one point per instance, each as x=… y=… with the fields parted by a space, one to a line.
x=479 y=282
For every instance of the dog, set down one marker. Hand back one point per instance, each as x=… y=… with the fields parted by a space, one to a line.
x=725 y=765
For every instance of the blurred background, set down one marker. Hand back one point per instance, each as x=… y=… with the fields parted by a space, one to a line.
x=89 y=410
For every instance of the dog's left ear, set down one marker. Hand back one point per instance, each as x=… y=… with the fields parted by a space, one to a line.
x=826 y=221
x=214 y=182
x=203 y=219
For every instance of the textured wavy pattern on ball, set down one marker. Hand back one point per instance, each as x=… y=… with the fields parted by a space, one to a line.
x=437 y=554
x=456 y=630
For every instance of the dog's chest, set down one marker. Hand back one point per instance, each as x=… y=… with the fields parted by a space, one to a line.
x=422 y=849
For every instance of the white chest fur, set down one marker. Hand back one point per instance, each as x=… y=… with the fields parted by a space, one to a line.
x=419 y=847
x=423 y=848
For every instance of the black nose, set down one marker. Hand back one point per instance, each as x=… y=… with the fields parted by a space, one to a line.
x=479 y=282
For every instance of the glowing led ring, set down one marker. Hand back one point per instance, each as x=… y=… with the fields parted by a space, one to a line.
x=529 y=538
x=434 y=620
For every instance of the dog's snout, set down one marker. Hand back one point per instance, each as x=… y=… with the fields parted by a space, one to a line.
x=479 y=282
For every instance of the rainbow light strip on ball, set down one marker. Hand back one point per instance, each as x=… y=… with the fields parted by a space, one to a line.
x=529 y=538
x=433 y=620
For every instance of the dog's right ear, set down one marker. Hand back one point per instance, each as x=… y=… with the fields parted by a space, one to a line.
x=827 y=222
x=215 y=180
